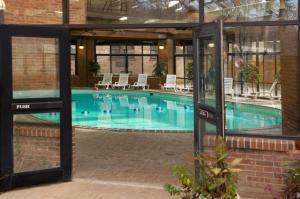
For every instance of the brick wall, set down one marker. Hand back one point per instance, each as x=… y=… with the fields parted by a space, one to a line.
x=289 y=77
x=37 y=147
x=263 y=165
x=35 y=63
x=33 y=12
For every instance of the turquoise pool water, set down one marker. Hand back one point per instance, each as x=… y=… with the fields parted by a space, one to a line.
x=155 y=111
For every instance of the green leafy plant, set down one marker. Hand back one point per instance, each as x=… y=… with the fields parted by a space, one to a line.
x=189 y=72
x=292 y=180
x=251 y=74
x=94 y=67
x=160 y=70
x=218 y=176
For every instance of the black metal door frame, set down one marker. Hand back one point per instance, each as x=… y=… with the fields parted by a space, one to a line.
x=61 y=104
x=202 y=112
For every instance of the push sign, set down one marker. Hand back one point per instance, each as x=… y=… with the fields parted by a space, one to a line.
x=22 y=106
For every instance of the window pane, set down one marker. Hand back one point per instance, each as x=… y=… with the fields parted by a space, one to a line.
x=73 y=64
x=101 y=49
x=33 y=12
x=256 y=10
x=36 y=142
x=118 y=49
x=180 y=67
x=104 y=62
x=207 y=61
x=35 y=65
x=265 y=79
x=150 y=50
x=149 y=64
x=118 y=64
x=133 y=12
x=134 y=49
x=135 y=64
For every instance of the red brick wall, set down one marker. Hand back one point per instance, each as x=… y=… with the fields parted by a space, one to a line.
x=37 y=147
x=33 y=12
x=35 y=63
x=78 y=12
x=263 y=165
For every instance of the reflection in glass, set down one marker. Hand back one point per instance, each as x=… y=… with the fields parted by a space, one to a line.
x=134 y=11
x=36 y=142
x=208 y=71
x=262 y=63
x=256 y=10
x=35 y=65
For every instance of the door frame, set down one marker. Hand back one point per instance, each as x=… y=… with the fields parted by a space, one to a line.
x=216 y=115
x=62 y=104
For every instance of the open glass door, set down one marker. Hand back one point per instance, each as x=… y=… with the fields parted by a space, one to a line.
x=35 y=118
x=208 y=84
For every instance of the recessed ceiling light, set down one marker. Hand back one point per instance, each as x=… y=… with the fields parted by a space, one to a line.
x=135 y=6
x=123 y=18
x=173 y=3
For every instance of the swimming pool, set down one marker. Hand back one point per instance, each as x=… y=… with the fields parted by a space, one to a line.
x=155 y=111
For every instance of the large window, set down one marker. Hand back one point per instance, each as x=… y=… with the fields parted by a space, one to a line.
x=74 y=70
x=132 y=57
x=134 y=11
x=183 y=60
x=254 y=10
x=262 y=63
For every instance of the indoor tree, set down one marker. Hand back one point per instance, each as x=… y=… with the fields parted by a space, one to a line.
x=94 y=67
x=160 y=70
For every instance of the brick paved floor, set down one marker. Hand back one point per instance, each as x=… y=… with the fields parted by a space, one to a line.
x=131 y=156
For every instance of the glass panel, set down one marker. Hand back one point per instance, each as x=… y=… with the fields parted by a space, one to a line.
x=118 y=64
x=262 y=96
x=36 y=141
x=135 y=64
x=256 y=10
x=104 y=62
x=73 y=59
x=35 y=67
x=118 y=49
x=133 y=12
x=150 y=50
x=180 y=67
x=179 y=50
x=33 y=12
x=134 y=49
x=149 y=64
x=73 y=64
x=207 y=62
x=101 y=49
x=206 y=127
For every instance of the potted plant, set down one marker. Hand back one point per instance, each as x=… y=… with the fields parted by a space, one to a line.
x=160 y=70
x=292 y=181
x=217 y=176
x=250 y=74
x=94 y=67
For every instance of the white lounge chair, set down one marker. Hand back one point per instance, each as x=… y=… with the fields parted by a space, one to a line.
x=268 y=93
x=106 y=81
x=123 y=81
x=142 y=82
x=170 y=82
x=228 y=86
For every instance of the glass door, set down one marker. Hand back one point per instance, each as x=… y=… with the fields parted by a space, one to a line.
x=208 y=84
x=35 y=118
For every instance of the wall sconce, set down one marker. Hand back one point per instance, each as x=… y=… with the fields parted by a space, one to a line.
x=81 y=46
x=2 y=5
x=161 y=45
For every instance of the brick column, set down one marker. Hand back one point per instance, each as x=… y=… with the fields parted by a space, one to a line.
x=289 y=79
